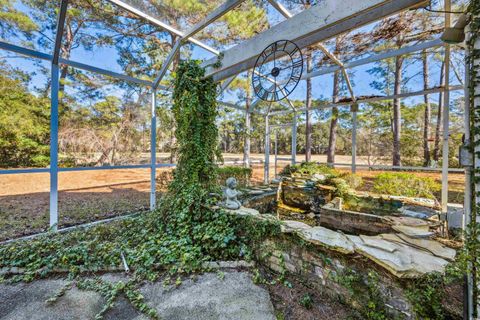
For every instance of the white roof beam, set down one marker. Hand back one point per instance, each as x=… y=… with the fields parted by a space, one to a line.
x=376 y=57
x=320 y=22
x=167 y=62
x=288 y=104
x=234 y=106
x=381 y=98
x=225 y=84
x=280 y=8
x=162 y=25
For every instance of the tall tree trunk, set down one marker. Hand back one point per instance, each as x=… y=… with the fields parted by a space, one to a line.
x=332 y=140
x=246 y=145
x=436 y=149
x=397 y=113
x=65 y=52
x=426 y=119
x=308 y=105
x=173 y=139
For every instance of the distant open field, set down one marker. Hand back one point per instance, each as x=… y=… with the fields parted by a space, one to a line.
x=86 y=196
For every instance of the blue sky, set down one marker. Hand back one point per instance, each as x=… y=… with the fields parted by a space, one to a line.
x=106 y=57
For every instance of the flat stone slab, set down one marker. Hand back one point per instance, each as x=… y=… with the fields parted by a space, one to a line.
x=432 y=246
x=235 y=297
x=289 y=226
x=397 y=256
x=410 y=222
x=27 y=301
x=328 y=238
x=412 y=232
x=375 y=242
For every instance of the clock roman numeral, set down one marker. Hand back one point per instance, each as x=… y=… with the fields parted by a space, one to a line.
x=275 y=96
x=264 y=55
x=260 y=91
x=274 y=46
x=295 y=78
x=295 y=50
x=265 y=94
x=297 y=64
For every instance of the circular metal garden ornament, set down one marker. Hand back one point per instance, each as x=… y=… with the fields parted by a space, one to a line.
x=277 y=71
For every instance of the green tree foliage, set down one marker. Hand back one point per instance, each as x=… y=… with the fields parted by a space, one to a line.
x=24 y=123
x=13 y=21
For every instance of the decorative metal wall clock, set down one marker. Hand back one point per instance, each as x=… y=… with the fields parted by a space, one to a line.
x=277 y=71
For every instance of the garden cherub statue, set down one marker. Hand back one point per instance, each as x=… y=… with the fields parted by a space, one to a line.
x=230 y=200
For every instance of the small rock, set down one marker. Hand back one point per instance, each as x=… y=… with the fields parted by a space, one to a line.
x=318 y=177
x=244 y=211
x=255 y=192
x=413 y=214
x=311 y=215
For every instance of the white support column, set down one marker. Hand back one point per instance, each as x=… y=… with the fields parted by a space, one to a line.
x=153 y=151
x=55 y=87
x=446 y=119
x=246 y=146
x=266 y=170
x=294 y=139
x=276 y=152
x=54 y=148
x=354 y=109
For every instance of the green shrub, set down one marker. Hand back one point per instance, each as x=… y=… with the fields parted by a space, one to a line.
x=354 y=181
x=243 y=175
x=405 y=184
x=309 y=168
x=307 y=301
x=341 y=186
x=426 y=296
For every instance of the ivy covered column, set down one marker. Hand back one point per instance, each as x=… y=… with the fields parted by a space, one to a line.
x=472 y=216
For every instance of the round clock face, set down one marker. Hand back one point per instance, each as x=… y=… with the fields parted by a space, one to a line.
x=277 y=70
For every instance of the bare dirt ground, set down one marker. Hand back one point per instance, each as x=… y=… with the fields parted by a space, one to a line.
x=86 y=196
x=294 y=300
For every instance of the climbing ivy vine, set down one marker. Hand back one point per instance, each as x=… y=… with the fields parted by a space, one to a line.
x=179 y=237
x=187 y=208
x=470 y=255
